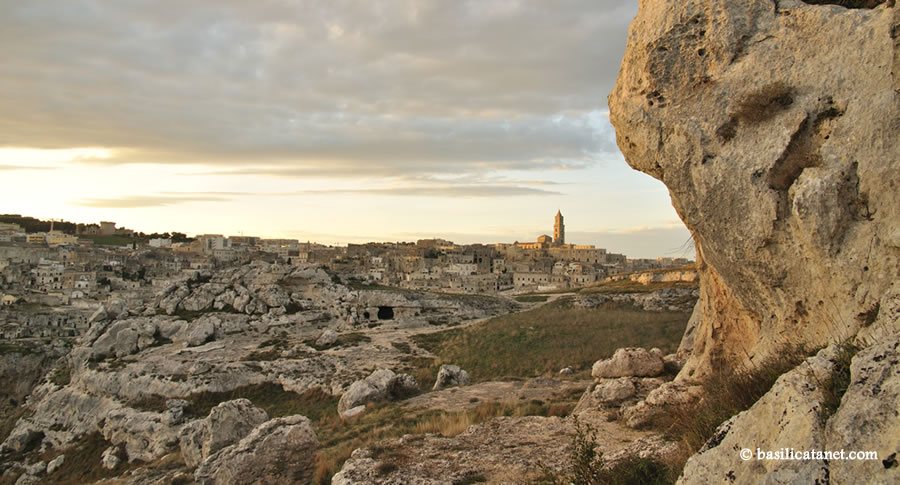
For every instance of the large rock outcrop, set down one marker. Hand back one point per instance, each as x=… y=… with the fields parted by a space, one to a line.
x=795 y=415
x=278 y=451
x=774 y=125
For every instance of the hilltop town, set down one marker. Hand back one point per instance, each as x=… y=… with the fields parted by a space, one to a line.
x=66 y=271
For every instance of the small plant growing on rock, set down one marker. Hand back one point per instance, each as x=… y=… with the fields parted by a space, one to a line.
x=839 y=381
x=587 y=466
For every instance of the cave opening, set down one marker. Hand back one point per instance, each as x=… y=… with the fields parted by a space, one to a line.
x=385 y=313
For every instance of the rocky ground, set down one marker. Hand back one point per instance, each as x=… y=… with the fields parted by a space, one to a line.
x=132 y=374
x=236 y=370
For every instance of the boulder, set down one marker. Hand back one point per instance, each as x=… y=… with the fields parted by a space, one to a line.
x=381 y=385
x=198 y=333
x=630 y=362
x=24 y=440
x=145 y=436
x=111 y=457
x=278 y=451
x=614 y=390
x=327 y=338
x=55 y=464
x=225 y=425
x=867 y=418
x=789 y=415
x=450 y=376
x=659 y=401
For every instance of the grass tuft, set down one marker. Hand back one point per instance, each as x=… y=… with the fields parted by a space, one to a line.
x=839 y=381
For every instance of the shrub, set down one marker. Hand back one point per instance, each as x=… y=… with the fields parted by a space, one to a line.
x=587 y=467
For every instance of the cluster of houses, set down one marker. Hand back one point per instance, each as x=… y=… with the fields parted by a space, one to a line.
x=50 y=282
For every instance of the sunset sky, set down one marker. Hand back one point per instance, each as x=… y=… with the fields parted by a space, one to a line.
x=337 y=121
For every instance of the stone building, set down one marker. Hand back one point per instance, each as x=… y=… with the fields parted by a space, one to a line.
x=559 y=229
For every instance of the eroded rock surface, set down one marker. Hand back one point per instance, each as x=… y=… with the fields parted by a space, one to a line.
x=381 y=385
x=774 y=125
x=630 y=362
x=278 y=451
x=450 y=376
x=795 y=413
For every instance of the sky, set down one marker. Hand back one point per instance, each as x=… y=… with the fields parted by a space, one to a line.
x=332 y=121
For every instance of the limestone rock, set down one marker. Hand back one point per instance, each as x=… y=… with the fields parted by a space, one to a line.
x=55 y=463
x=614 y=390
x=327 y=338
x=381 y=385
x=145 y=436
x=278 y=451
x=111 y=458
x=24 y=440
x=867 y=418
x=630 y=362
x=225 y=425
x=199 y=333
x=450 y=376
x=785 y=172
x=659 y=401
x=790 y=414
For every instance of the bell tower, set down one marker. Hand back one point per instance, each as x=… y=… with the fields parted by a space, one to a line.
x=559 y=229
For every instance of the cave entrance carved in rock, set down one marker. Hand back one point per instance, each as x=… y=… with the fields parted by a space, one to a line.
x=385 y=313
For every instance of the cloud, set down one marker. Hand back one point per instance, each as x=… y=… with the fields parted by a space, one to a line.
x=428 y=190
x=142 y=201
x=383 y=87
x=441 y=191
x=21 y=167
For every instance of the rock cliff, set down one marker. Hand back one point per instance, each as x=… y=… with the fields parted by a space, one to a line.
x=774 y=125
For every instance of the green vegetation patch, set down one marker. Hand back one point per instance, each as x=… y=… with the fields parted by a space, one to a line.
x=532 y=298
x=112 y=240
x=314 y=403
x=16 y=348
x=552 y=336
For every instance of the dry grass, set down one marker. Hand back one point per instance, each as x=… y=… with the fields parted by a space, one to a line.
x=81 y=464
x=550 y=337
x=338 y=438
x=725 y=394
